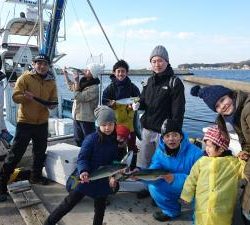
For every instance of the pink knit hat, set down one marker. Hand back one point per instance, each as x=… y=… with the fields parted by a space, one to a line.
x=216 y=136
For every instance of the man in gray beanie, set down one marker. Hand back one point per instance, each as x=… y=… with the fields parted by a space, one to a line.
x=104 y=114
x=161 y=52
x=162 y=98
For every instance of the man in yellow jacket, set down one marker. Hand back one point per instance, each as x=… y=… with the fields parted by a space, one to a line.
x=213 y=181
x=32 y=120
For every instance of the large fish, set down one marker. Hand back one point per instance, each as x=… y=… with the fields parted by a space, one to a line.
x=149 y=174
x=110 y=170
x=127 y=101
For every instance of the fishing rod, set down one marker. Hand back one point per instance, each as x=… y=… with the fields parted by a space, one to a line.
x=206 y=121
x=92 y=9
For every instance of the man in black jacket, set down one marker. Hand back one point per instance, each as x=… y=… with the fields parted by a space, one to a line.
x=162 y=97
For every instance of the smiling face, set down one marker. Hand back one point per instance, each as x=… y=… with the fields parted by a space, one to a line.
x=225 y=106
x=120 y=73
x=41 y=67
x=172 y=139
x=212 y=150
x=158 y=64
x=107 y=128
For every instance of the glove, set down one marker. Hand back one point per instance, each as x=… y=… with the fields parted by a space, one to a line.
x=135 y=106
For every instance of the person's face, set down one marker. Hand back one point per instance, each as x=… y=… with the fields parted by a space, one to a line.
x=212 y=150
x=172 y=140
x=120 y=73
x=107 y=128
x=158 y=64
x=225 y=106
x=41 y=67
x=87 y=74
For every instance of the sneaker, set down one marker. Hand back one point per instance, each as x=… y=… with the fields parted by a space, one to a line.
x=160 y=216
x=39 y=180
x=143 y=194
x=3 y=197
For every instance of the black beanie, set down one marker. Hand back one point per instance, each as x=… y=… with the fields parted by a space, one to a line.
x=170 y=125
x=210 y=94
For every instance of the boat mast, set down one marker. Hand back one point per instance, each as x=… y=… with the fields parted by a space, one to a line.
x=41 y=28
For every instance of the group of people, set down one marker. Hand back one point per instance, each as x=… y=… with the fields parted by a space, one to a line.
x=206 y=178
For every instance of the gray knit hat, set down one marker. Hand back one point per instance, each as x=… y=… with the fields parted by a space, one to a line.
x=104 y=114
x=159 y=51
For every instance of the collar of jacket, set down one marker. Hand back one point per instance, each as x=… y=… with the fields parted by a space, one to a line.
x=168 y=72
x=48 y=76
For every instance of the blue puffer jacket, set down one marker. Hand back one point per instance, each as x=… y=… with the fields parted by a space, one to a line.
x=94 y=154
x=166 y=195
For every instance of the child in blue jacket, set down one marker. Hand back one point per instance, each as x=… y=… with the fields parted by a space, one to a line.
x=98 y=149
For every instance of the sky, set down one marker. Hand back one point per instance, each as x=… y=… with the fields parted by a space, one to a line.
x=193 y=31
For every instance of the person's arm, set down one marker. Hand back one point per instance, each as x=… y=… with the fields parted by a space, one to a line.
x=189 y=188
x=20 y=93
x=178 y=101
x=70 y=83
x=84 y=157
x=88 y=94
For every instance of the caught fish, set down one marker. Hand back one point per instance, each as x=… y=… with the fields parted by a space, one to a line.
x=73 y=70
x=110 y=170
x=127 y=101
x=107 y=171
x=149 y=174
x=45 y=102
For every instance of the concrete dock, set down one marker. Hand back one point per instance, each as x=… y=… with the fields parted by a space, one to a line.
x=232 y=84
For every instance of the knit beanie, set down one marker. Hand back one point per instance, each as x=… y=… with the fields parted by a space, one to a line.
x=104 y=114
x=170 y=125
x=121 y=63
x=95 y=69
x=159 y=51
x=210 y=94
x=215 y=135
x=122 y=131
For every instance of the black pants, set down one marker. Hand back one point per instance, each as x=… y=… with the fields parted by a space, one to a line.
x=70 y=201
x=24 y=133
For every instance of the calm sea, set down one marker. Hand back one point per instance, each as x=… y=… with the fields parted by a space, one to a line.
x=195 y=107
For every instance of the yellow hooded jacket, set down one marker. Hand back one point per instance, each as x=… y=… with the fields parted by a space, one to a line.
x=213 y=181
x=29 y=111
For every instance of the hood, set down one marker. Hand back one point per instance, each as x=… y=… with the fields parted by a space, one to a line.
x=184 y=143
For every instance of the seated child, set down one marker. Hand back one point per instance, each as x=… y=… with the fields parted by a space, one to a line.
x=122 y=133
x=213 y=181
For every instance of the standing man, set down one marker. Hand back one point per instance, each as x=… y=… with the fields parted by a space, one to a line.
x=121 y=87
x=162 y=98
x=32 y=121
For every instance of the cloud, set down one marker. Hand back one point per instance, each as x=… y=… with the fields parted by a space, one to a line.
x=185 y=35
x=137 y=21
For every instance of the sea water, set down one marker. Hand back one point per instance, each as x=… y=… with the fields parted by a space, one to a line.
x=197 y=114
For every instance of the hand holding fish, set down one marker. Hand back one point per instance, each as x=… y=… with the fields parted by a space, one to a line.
x=168 y=177
x=29 y=95
x=243 y=155
x=112 y=104
x=84 y=177
x=112 y=182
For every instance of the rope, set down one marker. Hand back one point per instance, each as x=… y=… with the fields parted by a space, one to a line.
x=81 y=28
x=205 y=121
x=92 y=9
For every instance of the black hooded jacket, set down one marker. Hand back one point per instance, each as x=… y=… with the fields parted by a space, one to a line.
x=160 y=100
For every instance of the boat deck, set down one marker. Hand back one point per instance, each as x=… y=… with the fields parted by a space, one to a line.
x=125 y=208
